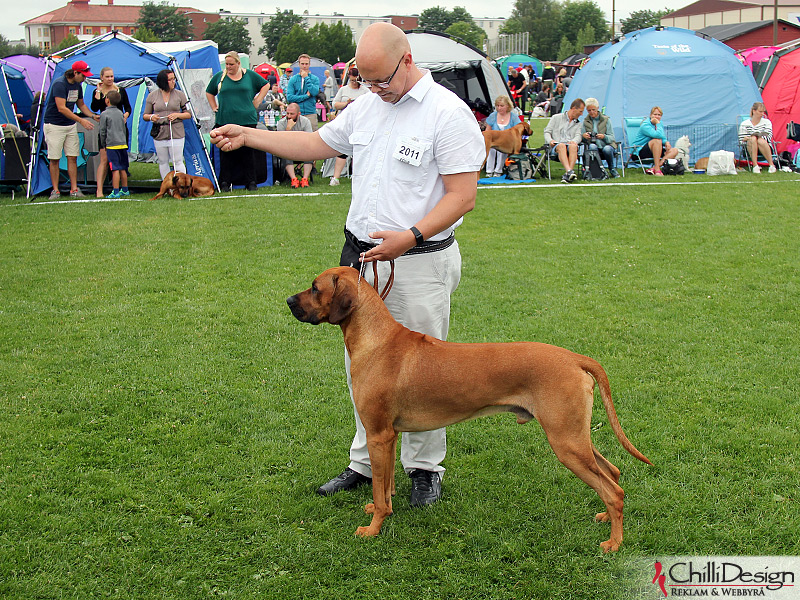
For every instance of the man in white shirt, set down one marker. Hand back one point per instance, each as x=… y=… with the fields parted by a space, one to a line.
x=563 y=134
x=417 y=151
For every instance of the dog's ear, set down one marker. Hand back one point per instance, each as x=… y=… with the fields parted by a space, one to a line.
x=341 y=302
x=175 y=179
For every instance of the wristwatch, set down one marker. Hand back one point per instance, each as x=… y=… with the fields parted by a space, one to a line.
x=417 y=235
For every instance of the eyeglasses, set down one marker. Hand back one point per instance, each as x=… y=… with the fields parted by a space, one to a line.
x=384 y=84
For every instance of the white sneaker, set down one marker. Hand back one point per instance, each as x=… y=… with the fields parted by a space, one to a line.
x=334 y=181
x=756 y=169
x=772 y=169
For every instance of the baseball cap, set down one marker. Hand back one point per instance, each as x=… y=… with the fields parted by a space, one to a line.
x=80 y=66
x=288 y=69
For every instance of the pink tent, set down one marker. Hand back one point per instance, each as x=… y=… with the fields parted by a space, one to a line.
x=756 y=55
x=780 y=89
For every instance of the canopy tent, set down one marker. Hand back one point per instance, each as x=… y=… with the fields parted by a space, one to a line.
x=459 y=67
x=38 y=71
x=15 y=97
x=753 y=56
x=779 y=81
x=515 y=60
x=572 y=63
x=135 y=66
x=700 y=85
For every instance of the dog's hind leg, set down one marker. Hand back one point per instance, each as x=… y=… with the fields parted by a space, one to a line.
x=612 y=472
x=381 y=458
x=580 y=459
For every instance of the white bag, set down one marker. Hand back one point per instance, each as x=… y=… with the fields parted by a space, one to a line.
x=720 y=162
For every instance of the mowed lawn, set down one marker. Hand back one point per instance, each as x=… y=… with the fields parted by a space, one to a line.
x=164 y=420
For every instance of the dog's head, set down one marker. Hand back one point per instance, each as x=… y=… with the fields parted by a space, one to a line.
x=683 y=143
x=526 y=129
x=182 y=183
x=331 y=298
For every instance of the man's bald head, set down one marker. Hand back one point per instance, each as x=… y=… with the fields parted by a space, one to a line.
x=381 y=40
x=384 y=54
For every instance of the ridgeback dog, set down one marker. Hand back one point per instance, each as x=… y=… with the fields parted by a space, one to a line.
x=181 y=185
x=508 y=141
x=407 y=381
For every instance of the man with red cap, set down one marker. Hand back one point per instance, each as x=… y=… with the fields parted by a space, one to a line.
x=60 y=125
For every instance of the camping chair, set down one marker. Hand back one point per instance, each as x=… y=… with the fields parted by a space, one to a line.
x=744 y=156
x=540 y=159
x=630 y=153
x=83 y=154
x=16 y=156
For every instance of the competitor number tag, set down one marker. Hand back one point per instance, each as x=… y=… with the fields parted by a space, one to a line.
x=409 y=150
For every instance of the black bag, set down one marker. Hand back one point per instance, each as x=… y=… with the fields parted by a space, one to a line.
x=673 y=166
x=793 y=131
x=593 y=166
x=155 y=129
x=518 y=166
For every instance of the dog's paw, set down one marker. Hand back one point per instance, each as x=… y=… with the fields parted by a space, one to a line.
x=366 y=532
x=602 y=517
x=370 y=509
x=610 y=546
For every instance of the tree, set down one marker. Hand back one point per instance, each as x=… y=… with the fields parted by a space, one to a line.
x=331 y=43
x=541 y=18
x=641 y=19
x=469 y=32
x=565 y=48
x=439 y=19
x=277 y=28
x=165 y=22
x=577 y=15
x=297 y=42
x=143 y=34
x=586 y=36
x=229 y=34
x=68 y=42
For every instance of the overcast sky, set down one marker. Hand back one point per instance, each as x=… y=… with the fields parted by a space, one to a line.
x=16 y=12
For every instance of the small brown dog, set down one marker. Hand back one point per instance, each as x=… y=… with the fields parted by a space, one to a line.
x=407 y=381
x=702 y=163
x=181 y=185
x=508 y=141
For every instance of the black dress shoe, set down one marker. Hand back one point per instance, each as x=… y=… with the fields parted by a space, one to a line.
x=348 y=480
x=252 y=187
x=224 y=186
x=426 y=487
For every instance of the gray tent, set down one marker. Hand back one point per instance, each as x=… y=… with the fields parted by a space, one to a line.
x=457 y=66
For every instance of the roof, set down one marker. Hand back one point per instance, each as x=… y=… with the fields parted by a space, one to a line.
x=733 y=30
x=83 y=12
x=711 y=6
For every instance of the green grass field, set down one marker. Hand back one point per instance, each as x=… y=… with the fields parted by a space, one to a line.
x=165 y=420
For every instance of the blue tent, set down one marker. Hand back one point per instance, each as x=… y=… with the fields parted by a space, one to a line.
x=132 y=62
x=698 y=82
x=14 y=94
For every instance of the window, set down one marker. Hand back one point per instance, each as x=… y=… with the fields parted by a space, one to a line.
x=191 y=22
x=46 y=46
x=88 y=31
x=72 y=31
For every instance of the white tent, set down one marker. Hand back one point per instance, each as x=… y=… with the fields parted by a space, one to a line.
x=457 y=66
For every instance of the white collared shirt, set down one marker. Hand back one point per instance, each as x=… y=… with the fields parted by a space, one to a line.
x=431 y=128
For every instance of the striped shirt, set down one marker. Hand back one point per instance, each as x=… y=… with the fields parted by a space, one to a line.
x=763 y=129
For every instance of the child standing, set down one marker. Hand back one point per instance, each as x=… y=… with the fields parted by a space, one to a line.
x=114 y=137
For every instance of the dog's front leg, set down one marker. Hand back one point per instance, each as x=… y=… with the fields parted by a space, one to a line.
x=381 y=449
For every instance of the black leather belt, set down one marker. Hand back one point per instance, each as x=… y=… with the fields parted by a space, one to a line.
x=423 y=248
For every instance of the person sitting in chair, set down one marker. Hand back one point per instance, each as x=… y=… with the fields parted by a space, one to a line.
x=756 y=132
x=598 y=134
x=652 y=142
x=563 y=134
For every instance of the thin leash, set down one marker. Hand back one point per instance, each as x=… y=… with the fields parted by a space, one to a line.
x=387 y=288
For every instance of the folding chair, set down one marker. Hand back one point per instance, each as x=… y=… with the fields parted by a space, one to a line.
x=83 y=154
x=744 y=155
x=540 y=159
x=629 y=152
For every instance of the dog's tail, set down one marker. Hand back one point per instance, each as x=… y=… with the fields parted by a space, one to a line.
x=596 y=370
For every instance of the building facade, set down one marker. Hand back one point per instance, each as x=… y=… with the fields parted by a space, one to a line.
x=706 y=13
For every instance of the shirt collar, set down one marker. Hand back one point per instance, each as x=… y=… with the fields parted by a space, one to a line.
x=420 y=88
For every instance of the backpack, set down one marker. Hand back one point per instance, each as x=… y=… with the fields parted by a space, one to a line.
x=793 y=131
x=518 y=166
x=593 y=166
x=673 y=166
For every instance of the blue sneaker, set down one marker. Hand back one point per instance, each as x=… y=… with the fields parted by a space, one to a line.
x=113 y=195
x=124 y=194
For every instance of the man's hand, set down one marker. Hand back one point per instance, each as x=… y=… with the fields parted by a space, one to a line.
x=587 y=135
x=87 y=124
x=394 y=244
x=553 y=143
x=228 y=137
